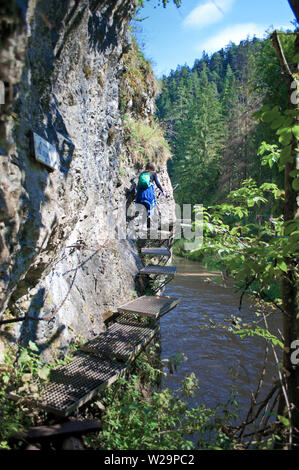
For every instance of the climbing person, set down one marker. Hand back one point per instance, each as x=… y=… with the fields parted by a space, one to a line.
x=146 y=190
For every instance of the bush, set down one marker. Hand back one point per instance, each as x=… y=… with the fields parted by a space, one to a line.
x=138 y=418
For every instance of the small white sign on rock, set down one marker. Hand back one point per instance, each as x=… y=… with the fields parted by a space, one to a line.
x=45 y=152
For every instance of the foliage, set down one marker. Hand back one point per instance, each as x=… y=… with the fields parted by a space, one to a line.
x=22 y=374
x=135 y=418
x=261 y=332
x=287 y=129
x=251 y=251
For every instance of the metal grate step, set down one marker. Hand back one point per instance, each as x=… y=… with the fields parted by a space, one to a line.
x=155 y=251
x=183 y=221
x=149 y=306
x=151 y=269
x=120 y=341
x=76 y=383
x=155 y=235
x=180 y=222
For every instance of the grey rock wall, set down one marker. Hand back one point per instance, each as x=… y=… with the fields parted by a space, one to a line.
x=60 y=262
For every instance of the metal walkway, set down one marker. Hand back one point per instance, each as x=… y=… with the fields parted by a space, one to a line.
x=155 y=234
x=120 y=341
x=76 y=383
x=156 y=269
x=103 y=359
x=156 y=251
x=183 y=221
x=149 y=306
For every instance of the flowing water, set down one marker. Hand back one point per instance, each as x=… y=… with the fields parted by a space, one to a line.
x=218 y=358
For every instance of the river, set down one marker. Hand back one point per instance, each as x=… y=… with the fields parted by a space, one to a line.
x=218 y=358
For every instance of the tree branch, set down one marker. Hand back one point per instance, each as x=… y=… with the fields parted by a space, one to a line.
x=282 y=59
x=13 y=320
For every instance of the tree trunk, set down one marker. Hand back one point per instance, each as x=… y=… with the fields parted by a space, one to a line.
x=290 y=407
x=295 y=7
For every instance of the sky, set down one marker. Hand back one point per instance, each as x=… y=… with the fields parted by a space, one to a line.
x=177 y=36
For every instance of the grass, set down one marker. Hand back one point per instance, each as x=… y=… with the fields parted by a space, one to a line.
x=145 y=141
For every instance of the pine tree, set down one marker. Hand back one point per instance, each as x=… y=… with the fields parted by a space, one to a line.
x=198 y=145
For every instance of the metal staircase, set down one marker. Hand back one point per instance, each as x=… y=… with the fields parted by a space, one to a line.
x=103 y=359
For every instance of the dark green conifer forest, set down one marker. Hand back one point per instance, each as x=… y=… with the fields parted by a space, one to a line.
x=208 y=114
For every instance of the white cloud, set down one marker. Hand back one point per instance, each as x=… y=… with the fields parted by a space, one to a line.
x=235 y=34
x=208 y=13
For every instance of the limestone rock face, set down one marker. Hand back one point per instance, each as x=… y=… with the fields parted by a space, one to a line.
x=61 y=262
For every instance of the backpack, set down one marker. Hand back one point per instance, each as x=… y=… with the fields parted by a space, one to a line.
x=144 y=180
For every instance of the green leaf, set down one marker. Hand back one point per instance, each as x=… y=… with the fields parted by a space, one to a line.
x=277 y=122
x=285 y=155
x=294 y=173
x=285 y=421
x=291 y=227
x=32 y=346
x=265 y=108
x=292 y=112
x=287 y=126
x=294 y=237
x=295 y=184
x=26 y=378
x=257 y=115
x=295 y=130
x=285 y=138
x=269 y=116
x=24 y=357
x=282 y=266
x=44 y=372
x=264 y=147
x=258 y=331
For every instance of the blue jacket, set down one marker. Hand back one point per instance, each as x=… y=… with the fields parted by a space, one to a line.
x=147 y=196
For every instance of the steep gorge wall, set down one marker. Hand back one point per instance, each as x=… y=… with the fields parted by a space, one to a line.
x=64 y=65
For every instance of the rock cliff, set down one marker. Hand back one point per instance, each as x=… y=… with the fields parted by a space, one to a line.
x=74 y=77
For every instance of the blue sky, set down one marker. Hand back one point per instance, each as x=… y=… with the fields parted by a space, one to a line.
x=170 y=36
